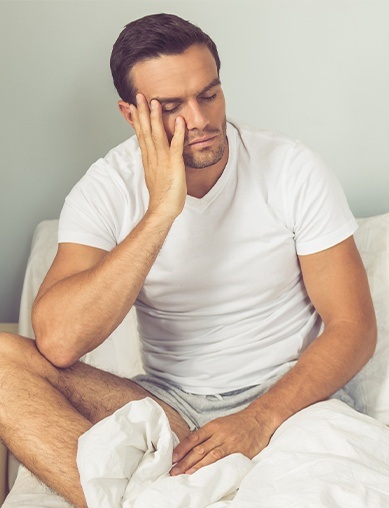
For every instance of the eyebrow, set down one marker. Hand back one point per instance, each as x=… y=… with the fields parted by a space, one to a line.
x=167 y=100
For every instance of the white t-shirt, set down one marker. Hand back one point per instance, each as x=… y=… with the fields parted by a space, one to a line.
x=224 y=306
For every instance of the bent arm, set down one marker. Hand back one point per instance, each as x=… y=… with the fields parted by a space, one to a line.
x=88 y=292
x=337 y=285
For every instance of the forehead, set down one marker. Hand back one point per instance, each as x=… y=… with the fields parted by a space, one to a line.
x=175 y=75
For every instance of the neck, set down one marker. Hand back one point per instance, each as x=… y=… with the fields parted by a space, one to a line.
x=200 y=181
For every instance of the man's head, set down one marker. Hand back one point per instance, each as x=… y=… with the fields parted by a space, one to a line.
x=166 y=58
x=150 y=37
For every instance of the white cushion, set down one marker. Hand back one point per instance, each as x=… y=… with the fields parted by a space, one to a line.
x=370 y=387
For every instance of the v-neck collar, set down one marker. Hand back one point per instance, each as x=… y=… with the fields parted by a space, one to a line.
x=201 y=204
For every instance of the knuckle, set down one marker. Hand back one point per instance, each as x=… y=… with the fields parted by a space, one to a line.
x=194 y=438
x=216 y=453
x=199 y=450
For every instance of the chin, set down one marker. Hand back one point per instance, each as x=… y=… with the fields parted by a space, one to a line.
x=205 y=159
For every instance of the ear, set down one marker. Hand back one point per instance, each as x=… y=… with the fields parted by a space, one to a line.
x=124 y=109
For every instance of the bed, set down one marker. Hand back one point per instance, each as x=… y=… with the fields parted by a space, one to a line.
x=302 y=458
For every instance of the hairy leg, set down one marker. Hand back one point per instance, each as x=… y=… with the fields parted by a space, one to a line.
x=44 y=410
x=102 y=393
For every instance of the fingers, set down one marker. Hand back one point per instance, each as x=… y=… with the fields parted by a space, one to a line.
x=187 y=444
x=163 y=164
x=158 y=132
x=140 y=137
x=195 y=451
x=229 y=434
x=193 y=463
x=177 y=142
x=151 y=132
x=142 y=125
x=148 y=122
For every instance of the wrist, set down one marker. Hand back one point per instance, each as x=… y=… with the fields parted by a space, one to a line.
x=162 y=213
x=267 y=409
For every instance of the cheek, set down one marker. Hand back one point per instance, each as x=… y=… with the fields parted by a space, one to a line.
x=221 y=106
x=217 y=112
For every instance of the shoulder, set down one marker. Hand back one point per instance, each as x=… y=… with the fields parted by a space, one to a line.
x=125 y=157
x=108 y=200
x=276 y=156
x=260 y=141
x=300 y=190
x=118 y=174
x=267 y=153
x=121 y=165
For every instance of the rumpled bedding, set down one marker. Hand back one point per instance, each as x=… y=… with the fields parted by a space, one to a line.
x=327 y=455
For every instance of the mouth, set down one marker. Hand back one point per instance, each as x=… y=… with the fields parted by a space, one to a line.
x=201 y=142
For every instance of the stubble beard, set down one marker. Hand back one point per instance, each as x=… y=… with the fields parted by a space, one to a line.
x=207 y=156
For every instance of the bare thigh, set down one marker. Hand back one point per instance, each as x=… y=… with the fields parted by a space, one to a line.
x=94 y=393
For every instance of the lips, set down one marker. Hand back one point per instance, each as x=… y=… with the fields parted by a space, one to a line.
x=202 y=141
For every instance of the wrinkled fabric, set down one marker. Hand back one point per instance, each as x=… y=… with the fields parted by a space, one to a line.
x=327 y=455
x=125 y=461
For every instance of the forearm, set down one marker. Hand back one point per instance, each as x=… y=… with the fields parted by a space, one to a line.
x=324 y=368
x=78 y=313
x=80 y=310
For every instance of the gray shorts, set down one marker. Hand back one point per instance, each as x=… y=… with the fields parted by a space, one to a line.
x=197 y=410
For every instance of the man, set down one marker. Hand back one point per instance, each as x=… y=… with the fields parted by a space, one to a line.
x=217 y=234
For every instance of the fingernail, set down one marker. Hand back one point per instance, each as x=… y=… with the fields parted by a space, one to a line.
x=175 y=471
x=175 y=457
x=153 y=104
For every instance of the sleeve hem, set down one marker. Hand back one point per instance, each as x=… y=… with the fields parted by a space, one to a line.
x=329 y=240
x=85 y=239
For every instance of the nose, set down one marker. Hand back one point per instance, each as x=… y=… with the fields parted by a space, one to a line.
x=195 y=116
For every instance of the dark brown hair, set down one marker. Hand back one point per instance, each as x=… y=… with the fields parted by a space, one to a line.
x=151 y=37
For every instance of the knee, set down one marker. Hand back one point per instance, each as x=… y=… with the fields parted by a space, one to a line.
x=20 y=359
x=14 y=350
x=7 y=344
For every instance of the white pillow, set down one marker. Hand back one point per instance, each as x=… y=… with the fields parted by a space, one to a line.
x=370 y=387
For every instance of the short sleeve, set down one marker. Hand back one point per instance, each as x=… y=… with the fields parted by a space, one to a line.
x=92 y=211
x=316 y=206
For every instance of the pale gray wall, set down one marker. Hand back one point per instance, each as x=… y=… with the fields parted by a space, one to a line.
x=314 y=69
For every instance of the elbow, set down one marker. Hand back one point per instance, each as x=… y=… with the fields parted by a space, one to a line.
x=53 y=345
x=51 y=348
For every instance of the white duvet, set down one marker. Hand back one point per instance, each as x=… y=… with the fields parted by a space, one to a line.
x=327 y=455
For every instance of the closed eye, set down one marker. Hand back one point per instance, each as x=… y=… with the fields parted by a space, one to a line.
x=169 y=109
x=210 y=98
